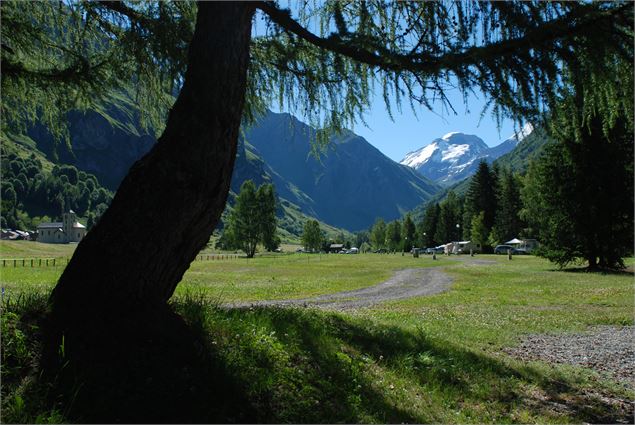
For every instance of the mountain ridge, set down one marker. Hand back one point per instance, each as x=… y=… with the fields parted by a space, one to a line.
x=455 y=156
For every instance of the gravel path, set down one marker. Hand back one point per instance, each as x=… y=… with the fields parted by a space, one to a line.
x=404 y=284
x=608 y=350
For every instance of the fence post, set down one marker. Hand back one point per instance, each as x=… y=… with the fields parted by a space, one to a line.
x=15 y=263
x=31 y=262
x=4 y=263
x=40 y=265
x=53 y=262
x=23 y=260
x=47 y=262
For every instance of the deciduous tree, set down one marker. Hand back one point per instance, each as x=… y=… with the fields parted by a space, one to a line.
x=312 y=236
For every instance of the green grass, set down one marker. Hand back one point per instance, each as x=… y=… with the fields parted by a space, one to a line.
x=29 y=249
x=426 y=359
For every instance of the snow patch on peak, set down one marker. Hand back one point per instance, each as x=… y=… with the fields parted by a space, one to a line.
x=419 y=157
x=449 y=135
x=522 y=133
x=454 y=152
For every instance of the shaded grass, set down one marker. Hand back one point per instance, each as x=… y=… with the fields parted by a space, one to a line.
x=306 y=366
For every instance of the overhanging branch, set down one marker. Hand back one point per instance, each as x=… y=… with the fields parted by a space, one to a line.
x=565 y=27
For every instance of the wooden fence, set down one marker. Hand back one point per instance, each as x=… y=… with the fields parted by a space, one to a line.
x=63 y=261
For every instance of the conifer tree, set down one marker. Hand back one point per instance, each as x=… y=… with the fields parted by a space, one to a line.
x=579 y=196
x=508 y=222
x=449 y=224
x=480 y=197
x=429 y=225
x=408 y=233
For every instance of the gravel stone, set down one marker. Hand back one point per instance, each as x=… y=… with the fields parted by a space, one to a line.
x=404 y=284
x=609 y=350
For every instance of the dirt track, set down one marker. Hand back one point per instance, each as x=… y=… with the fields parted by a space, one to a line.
x=403 y=284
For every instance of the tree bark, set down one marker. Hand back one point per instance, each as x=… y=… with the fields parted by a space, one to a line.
x=169 y=203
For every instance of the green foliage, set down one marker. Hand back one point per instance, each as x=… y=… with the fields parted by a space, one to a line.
x=408 y=233
x=480 y=197
x=63 y=56
x=478 y=231
x=266 y=199
x=312 y=237
x=24 y=398
x=507 y=218
x=428 y=226
x=578 y=197
x=393 y=235
x=513 y=52
x=252 y=220
x=378 y=234
x=29 y=194
x=324 y=63
x=449 y=222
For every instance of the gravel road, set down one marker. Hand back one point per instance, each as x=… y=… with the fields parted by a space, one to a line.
x=608 y=350
x=404 y=284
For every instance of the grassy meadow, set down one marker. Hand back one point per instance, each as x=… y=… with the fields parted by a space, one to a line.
x=427 y=359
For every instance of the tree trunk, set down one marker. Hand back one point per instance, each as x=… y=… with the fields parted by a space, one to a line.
x=169 y=203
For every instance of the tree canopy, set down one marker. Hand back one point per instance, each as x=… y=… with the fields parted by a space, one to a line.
x=323 y=60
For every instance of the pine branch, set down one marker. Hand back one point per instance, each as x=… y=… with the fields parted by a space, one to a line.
x=566 y=27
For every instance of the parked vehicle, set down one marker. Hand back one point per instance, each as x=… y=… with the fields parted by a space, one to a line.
x=436 y=250
x=502 y=249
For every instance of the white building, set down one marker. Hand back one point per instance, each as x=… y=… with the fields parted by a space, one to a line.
x=69 y=230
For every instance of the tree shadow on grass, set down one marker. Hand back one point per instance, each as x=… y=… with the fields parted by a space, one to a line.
x=198 y=363
x=628 y=271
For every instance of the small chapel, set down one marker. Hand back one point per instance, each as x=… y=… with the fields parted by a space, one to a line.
x=69 y=230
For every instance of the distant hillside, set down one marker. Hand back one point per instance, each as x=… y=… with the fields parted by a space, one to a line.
x=351 y=184
x=36 y=190
x=348 y=187
x=521 y=156
x=104 y=143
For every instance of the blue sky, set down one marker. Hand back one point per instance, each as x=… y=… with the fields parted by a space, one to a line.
x=408 y=133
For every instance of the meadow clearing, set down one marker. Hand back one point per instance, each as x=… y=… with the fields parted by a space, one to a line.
x=439 y=358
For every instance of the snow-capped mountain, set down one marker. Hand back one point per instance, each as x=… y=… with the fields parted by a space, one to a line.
x=456 y=155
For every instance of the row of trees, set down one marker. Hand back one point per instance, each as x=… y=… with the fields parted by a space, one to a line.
x=576 y=199
x=394 y=236
x=31 y=195
x=252 y=220
x=487 y=214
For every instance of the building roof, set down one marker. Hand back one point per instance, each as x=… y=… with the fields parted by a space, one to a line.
x=514 y=241
x=78 y=225
x=336 y=246
x=50 y=225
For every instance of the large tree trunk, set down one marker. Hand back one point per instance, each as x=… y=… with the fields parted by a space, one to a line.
x=114 y=350
x=169 y=203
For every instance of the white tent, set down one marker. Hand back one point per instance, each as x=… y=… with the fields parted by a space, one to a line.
x=514 y=241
